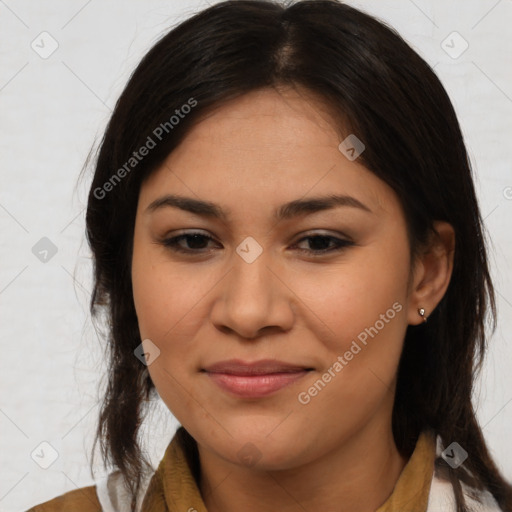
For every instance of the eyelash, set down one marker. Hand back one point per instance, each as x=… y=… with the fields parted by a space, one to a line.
x=340 y=244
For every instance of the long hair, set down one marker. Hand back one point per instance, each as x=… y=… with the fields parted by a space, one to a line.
x=377 y=87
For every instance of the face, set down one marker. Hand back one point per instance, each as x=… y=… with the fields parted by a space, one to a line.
x=275 y=332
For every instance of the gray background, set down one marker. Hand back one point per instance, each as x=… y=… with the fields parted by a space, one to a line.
x=53 y=108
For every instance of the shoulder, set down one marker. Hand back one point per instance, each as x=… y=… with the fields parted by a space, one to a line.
x=442 y=498
x=84 y=499
x=107 y=495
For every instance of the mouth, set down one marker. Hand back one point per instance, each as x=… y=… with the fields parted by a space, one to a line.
x=254 y=379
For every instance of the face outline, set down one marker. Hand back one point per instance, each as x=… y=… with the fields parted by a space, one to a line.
x=287 y=305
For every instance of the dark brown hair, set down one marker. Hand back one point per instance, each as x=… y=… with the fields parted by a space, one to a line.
x=379 y=89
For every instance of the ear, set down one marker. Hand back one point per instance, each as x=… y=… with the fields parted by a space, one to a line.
x=432 y=272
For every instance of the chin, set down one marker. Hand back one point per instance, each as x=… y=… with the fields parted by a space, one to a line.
x=265 y=447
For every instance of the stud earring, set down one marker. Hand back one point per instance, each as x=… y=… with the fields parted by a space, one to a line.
x=421 y=312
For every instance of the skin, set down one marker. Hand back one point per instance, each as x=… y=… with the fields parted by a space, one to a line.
x=250 y=156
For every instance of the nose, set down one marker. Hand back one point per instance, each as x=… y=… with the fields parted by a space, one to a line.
x=253 y=299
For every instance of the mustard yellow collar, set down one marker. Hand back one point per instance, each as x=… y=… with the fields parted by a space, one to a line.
x=173 y=487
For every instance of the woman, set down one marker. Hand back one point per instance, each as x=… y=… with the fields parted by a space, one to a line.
x=288 y=247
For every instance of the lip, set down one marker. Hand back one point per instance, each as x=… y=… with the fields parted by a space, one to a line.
x=254 y=379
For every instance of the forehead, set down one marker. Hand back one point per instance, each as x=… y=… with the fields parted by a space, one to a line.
x=265 y=148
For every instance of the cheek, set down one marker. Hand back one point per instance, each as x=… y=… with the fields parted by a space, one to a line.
x=164 y=294
x=157 y=309
x=167 y=304
x=362 y=306
x=352 y=296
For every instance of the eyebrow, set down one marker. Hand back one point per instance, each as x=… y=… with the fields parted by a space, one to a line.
x=286 y=211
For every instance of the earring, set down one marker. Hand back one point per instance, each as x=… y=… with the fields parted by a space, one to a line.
x=421 y=312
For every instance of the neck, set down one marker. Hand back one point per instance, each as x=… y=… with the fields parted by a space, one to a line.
x=356 y=477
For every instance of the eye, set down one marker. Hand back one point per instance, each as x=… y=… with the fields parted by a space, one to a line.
x=197 y=243
x=321 y=244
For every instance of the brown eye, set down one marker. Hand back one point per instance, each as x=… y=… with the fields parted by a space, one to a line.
x=198 y=243
x=188 y=242
x=322 y=244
